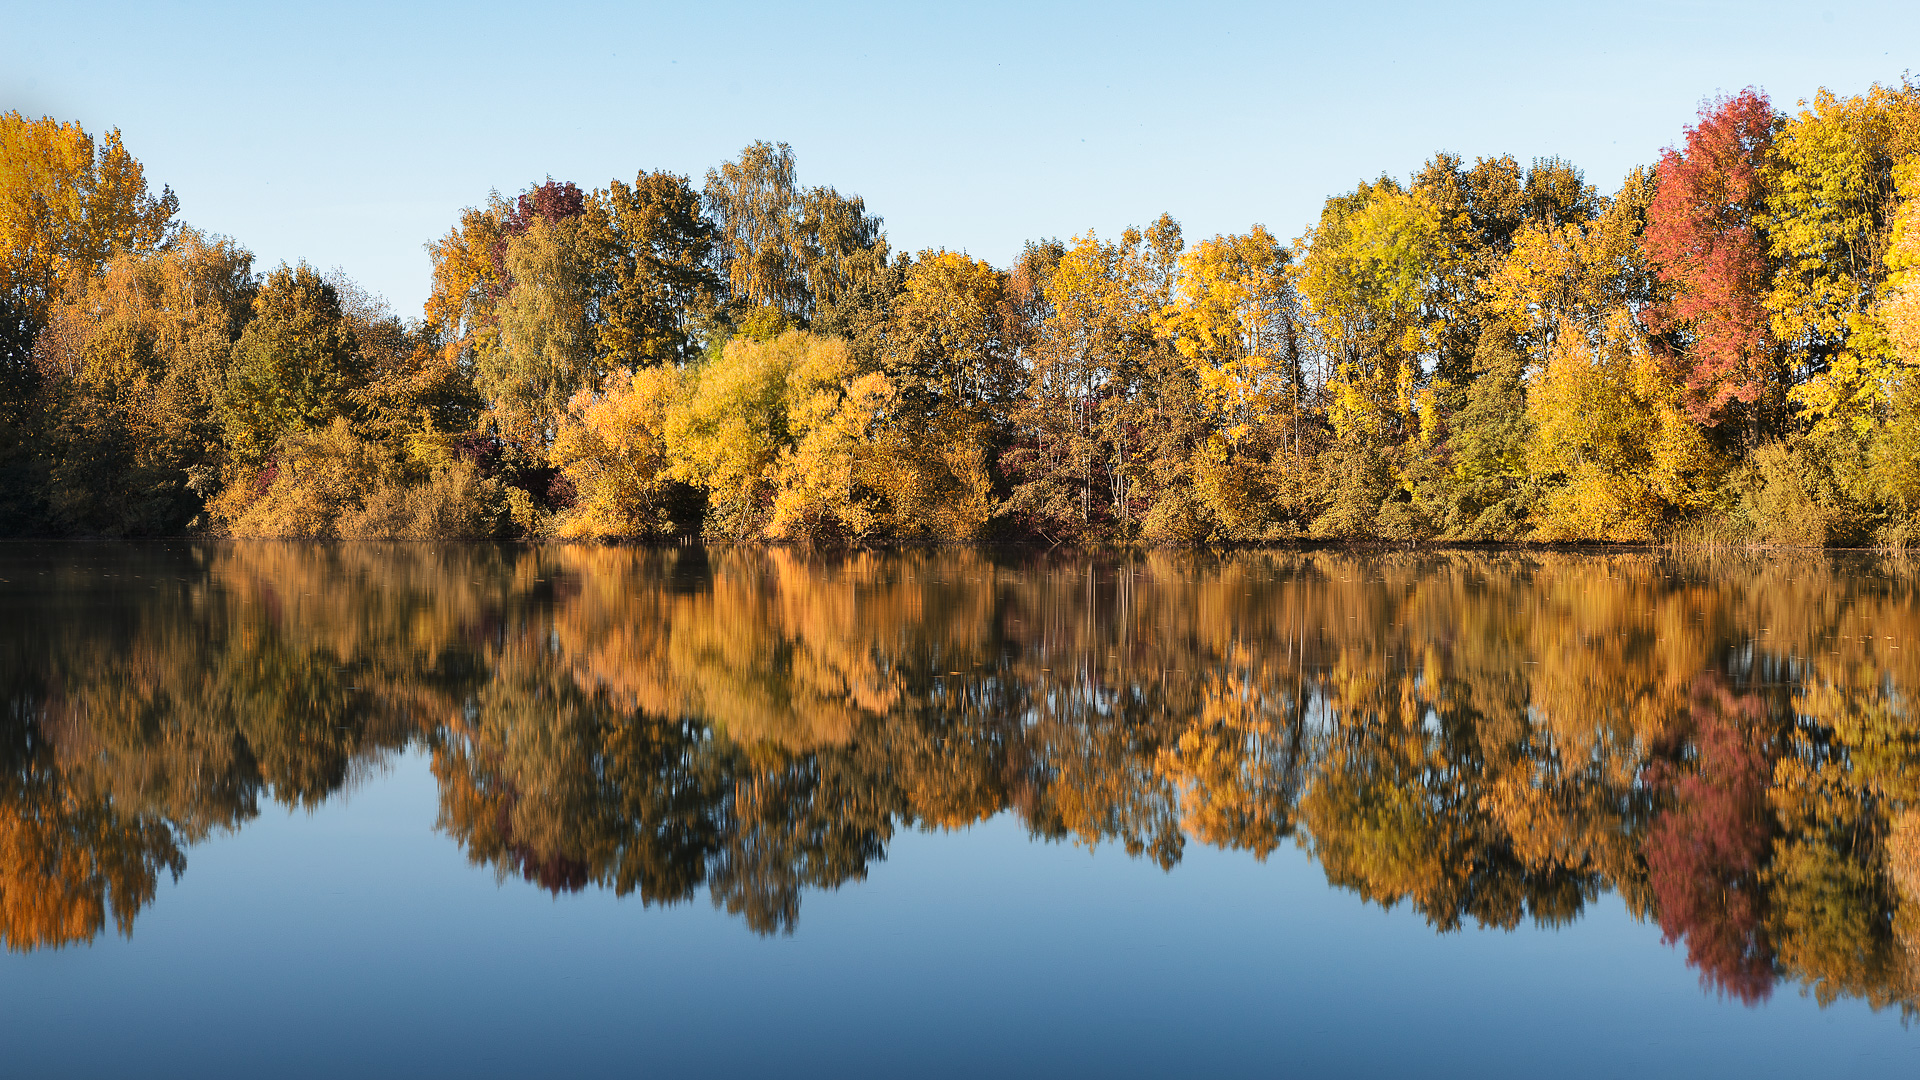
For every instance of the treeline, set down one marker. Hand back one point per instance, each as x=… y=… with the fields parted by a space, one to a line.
x=1489 y=739
x=1724 y=348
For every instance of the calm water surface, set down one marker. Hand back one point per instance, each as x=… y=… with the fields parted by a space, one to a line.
x=285 y=810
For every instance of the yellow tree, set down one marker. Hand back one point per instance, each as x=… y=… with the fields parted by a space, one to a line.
x=727 y=431
x=1371 y=277
x=1078 y=469
x=950 y=362
x=1369 y=265
x=469 y=278
x=66 y=204
x=1235 y=321
x=826 y=479
x=1057 y=472
x=1826 y=221
x=945 y=343
x=777 y=433
x=613 y=445
x=1568 y=277
x=1612 y=438
x=1896 y=447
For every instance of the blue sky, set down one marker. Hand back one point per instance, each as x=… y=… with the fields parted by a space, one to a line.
x=351 y=134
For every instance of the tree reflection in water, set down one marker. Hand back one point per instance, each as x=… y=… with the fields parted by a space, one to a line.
x=1725 y=743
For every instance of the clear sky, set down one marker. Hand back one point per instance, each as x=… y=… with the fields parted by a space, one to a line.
x=350 y=134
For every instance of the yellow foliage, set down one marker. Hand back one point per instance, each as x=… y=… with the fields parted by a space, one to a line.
x=726 y=435
x=613 y=446
x=1366 y=275
x=329 y=484
x=1234 y=320
x=66 y=204
x=1608 y=422
x=1901 y=308
x=65 y=864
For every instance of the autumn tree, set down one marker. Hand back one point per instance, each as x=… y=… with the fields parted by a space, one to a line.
x=1076 y=467
x=469 y=279
x=785 y=246
x=1827 y=220
x=1706 y=235
x=66 y=205
x=1830 y=225
x=1611 y=437
x=654 y=284
x=953 y=373
x=1895 y=453
x=612 y=445
x=1367 y=279
x=132 y=367
x=1236 y=321
x=295 y=367
x=545 y=348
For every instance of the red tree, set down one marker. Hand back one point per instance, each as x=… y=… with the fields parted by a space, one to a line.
x=550 y=202
x=1703 y=242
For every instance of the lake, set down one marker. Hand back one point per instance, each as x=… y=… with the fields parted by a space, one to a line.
x=464 y=810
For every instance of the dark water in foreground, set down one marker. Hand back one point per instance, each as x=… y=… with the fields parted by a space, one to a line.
x=463 y=810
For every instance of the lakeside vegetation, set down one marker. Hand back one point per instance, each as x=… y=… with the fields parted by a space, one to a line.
x=1725 y=348
x=1724 y=743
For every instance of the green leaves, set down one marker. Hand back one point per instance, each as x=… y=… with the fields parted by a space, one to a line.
x=295 y=366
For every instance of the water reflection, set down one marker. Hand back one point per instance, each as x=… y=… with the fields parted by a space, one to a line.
x=1727 y=745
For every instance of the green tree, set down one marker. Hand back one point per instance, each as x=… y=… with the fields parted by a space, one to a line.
x=295 y=367
x=782 y=245
x=545 y=351
x=1492 y=492
x=654 y=286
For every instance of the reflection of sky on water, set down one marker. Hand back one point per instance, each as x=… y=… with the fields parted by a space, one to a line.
x=356 y=941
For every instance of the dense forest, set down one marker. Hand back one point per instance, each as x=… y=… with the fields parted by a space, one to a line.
x=1724 y=742
x=1724 y=350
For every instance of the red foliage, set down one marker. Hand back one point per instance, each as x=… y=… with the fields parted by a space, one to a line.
x=551 y=871
x=484 y=452
x=550 y=202
x=1702 y=240
x=1706 y=850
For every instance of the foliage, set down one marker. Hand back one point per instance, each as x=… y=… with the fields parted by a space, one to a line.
x=653 y=284
x=295 y=367
x=1623 y=458
x=131 y=368
x=1486 y=351
x=782 y=245
x=613 y=446
x=1706 y=234
x=66 y=205
x=327 y=483
x=1492 y=492
x=545 y=350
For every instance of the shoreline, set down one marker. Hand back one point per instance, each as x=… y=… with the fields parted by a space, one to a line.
x=1595 y=547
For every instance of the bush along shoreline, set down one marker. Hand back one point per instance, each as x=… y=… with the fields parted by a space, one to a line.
x=1721 y=351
